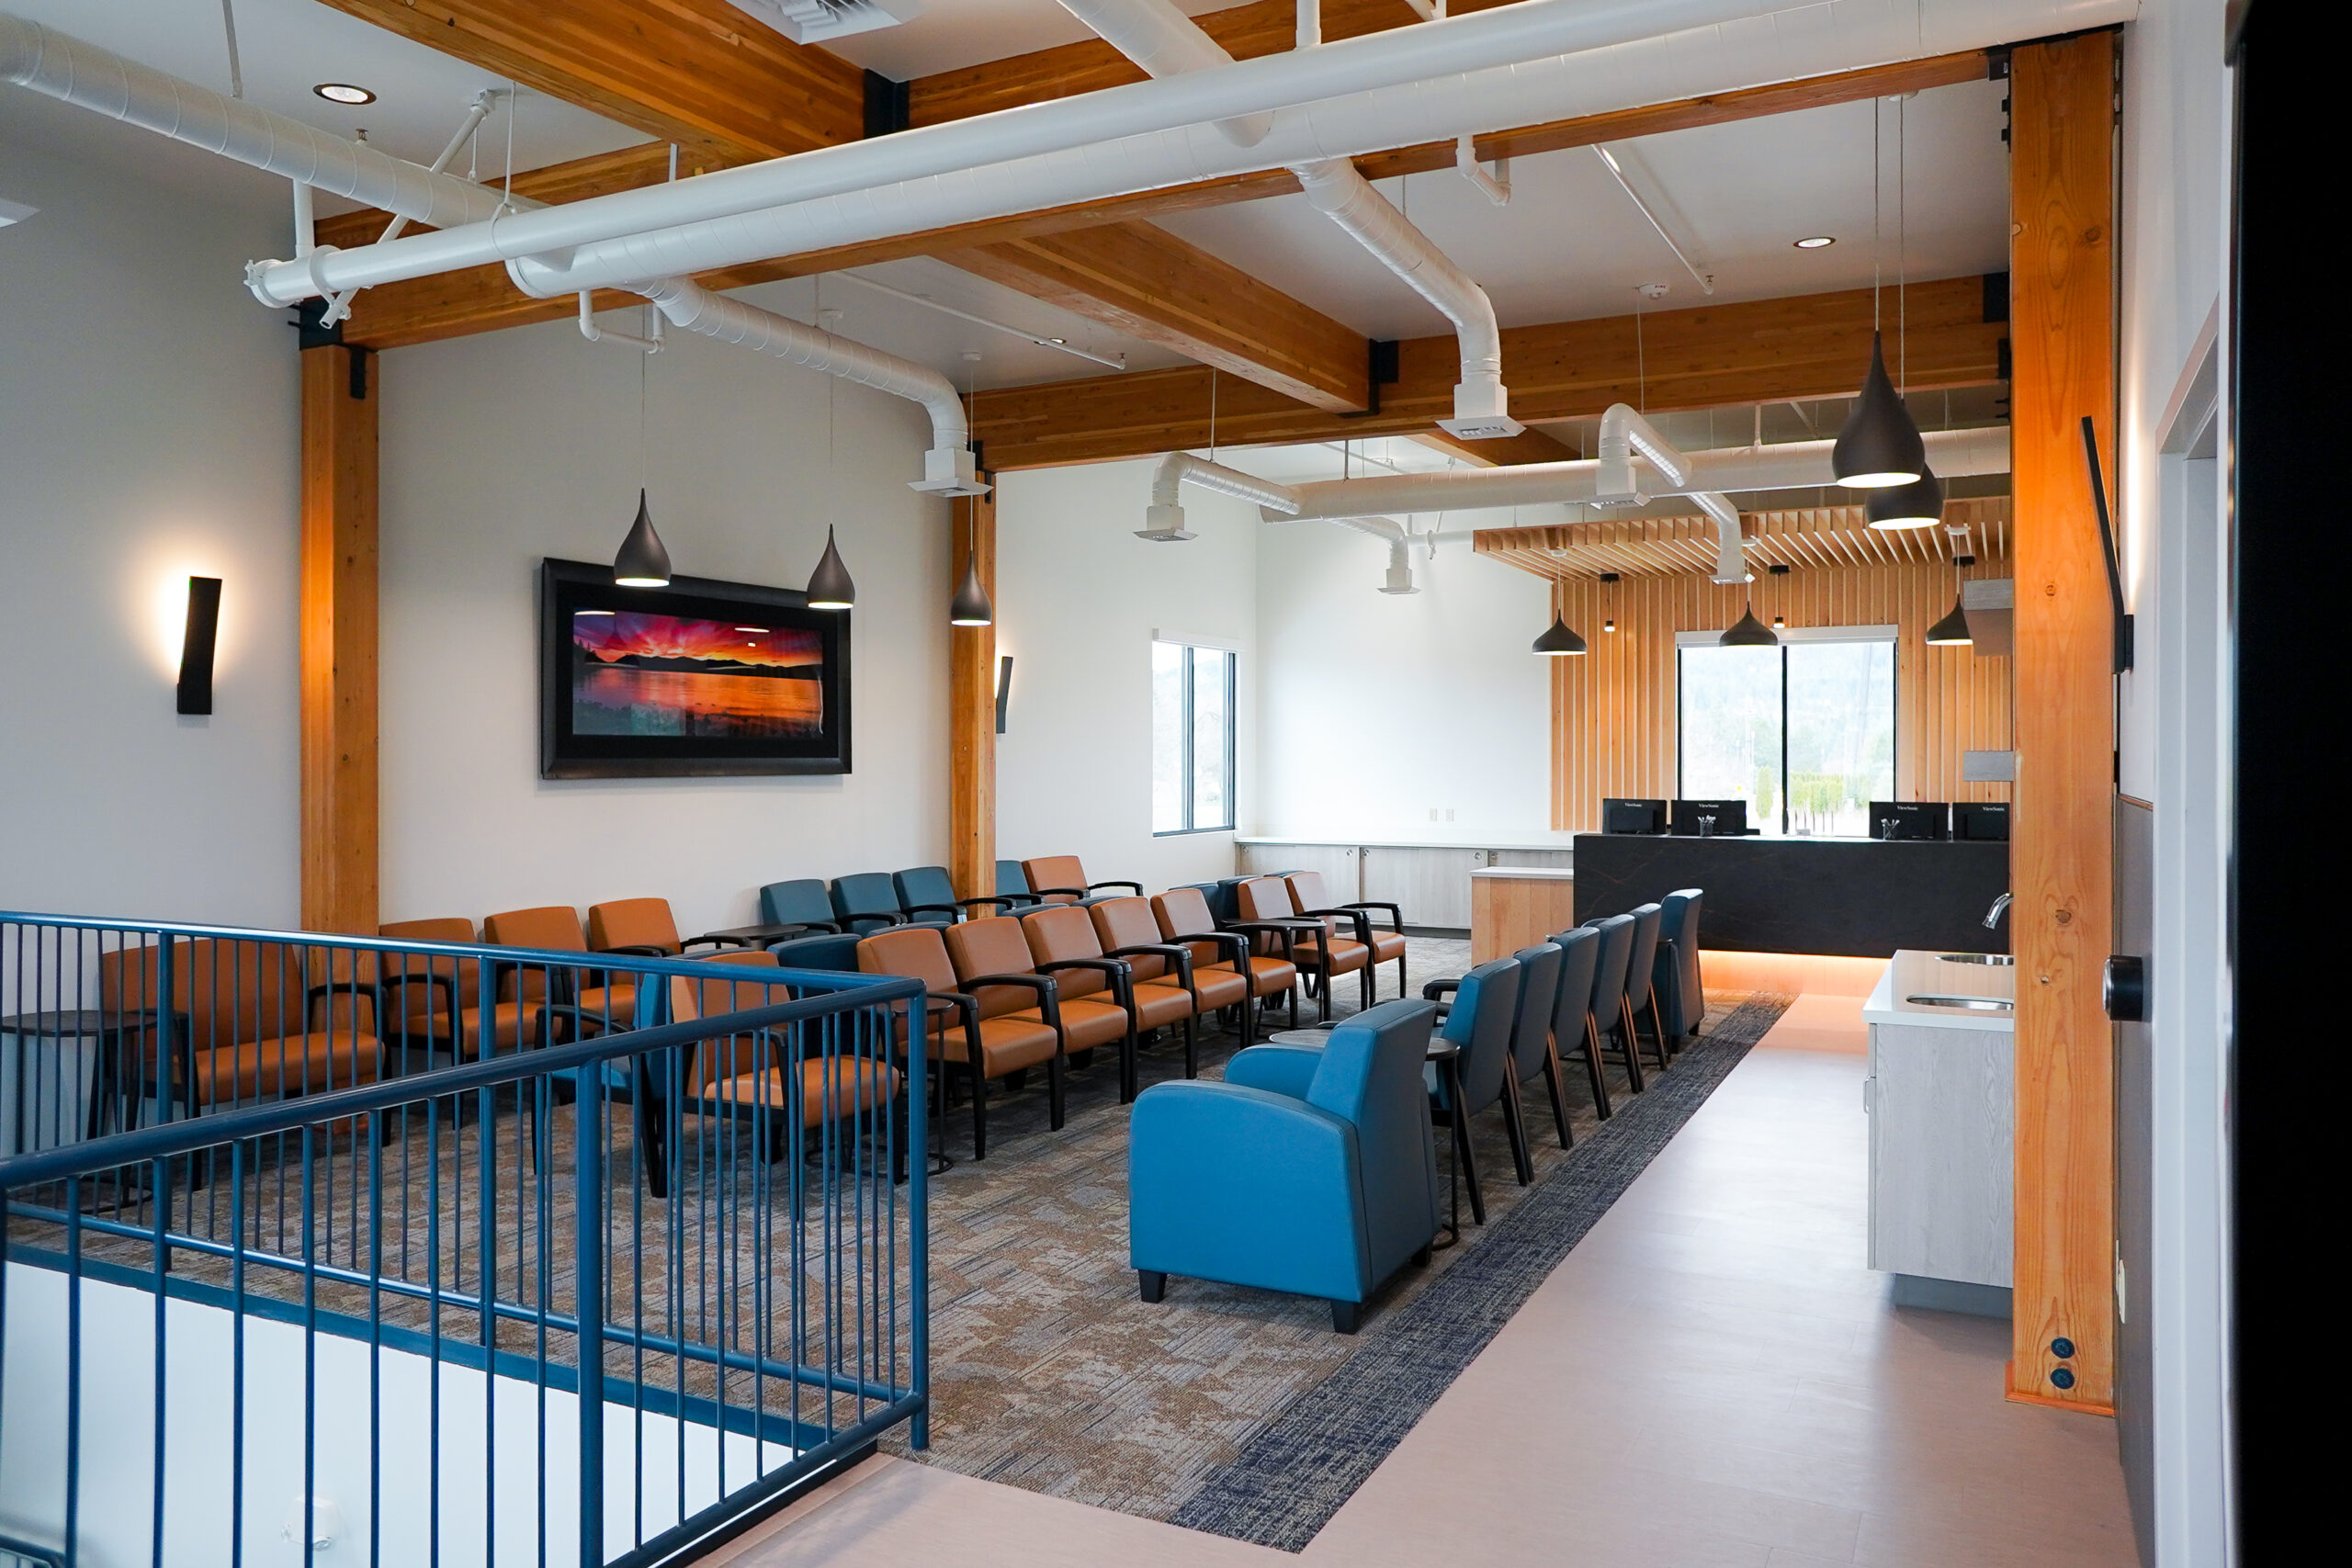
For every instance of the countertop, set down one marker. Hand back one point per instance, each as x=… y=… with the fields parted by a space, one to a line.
x=1912 y=973
x=1558 y=843
x=1522 y=873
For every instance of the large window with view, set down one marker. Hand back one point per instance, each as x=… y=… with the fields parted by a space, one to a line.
x=1804 y=733
x=1192 y=737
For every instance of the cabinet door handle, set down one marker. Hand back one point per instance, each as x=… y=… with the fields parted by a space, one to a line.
x=1870 y=1095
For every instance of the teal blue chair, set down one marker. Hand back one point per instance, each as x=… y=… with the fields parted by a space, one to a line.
x=1308 y=1170
x=927 y=897
x=803 y=902
x=1675 y=990
x=1480 y=1023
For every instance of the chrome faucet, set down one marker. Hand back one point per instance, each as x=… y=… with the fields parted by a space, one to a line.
x=1993 y=916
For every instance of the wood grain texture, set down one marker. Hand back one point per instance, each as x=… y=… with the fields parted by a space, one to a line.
x=698 y=72
x=1703 y=357
x=339 y=646
x=1509 y=913
x=1144 y=281
x=971 y=710
x=2062 y=304
x=1614 y=711
x=1942 y=1123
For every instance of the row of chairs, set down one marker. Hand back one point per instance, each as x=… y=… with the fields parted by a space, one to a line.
x=1311 y=1169
x=924 y=895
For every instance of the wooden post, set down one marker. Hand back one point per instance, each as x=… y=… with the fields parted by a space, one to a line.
x=338 y=614
x=2062 y=309
x=971 y=702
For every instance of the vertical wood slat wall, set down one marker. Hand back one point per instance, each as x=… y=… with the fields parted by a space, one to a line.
x=1614 y=711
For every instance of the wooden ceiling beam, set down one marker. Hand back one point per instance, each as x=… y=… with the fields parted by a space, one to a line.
x=1705 y=357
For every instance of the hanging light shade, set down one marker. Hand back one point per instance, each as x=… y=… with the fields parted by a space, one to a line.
x=1880 y=445
x=1952 y=630
x=1748 y=632
x=1919 y=505
x=828 y=586
x=971 y=606
x=1559 y=642
x=642 y=562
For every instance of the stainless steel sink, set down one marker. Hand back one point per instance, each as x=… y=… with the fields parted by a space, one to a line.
x=2005 y=960
x=1971 y=1004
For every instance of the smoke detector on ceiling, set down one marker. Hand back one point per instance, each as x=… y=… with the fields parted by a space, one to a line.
x=821 y=21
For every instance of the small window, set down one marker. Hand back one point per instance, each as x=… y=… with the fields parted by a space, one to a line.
x=1192 y=738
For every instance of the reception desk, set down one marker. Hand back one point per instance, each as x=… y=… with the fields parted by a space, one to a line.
x=1860 y=898
x=1513 y=907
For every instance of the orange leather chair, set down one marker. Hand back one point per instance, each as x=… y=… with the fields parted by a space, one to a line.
x=1182 y=915
x=1308 y=895
x=1322 y=956
x=1064 y=944
x=1060 y=879
x=994 y=965
x=264 y=1020
x=583 y=998
x=986 y=1047
x=436 y=1003
x=641 y=925
x=1128 y=930
x=752 y=1077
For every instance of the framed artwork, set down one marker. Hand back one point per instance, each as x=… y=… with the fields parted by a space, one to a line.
x=699 y=679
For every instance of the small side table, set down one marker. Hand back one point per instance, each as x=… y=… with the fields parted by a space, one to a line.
x=60 y=1070
x=750 y=936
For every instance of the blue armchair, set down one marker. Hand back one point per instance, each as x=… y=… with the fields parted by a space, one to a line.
x=1480 y=1023
x=1675 y=989
x=1309 y=1169
x=1572 y=1026
x=802 y=902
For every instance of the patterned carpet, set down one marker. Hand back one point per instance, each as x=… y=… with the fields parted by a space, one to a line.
x=1050 y=1374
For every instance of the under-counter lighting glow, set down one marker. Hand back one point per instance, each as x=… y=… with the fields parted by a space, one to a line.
x=344 y=93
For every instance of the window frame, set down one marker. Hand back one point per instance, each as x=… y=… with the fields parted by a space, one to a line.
x=1787 y=635
x=1188 y=729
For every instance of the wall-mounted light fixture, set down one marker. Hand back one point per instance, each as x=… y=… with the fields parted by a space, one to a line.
x=1003 y=689
x=196 y=644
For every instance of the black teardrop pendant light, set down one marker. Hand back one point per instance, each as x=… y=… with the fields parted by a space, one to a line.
x=971 y=606
x=1748 y=632
x=828 y=586
x=642 y=562
x=1880 y=445
x=1609 y=621
x=1919 y=505
x=1559 y=642
x=1952 y=630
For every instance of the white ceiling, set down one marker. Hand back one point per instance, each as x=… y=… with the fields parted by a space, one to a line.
x=1569 y=245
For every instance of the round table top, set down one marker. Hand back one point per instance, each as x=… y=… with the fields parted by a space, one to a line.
x=71 y=1023
x=1439 y=1049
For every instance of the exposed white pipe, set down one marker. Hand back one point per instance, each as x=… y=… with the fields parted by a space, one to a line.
x=1731 y=550
x=1784 y=466
x=1624 y=432
x=1524 y=63
x=1495 y=186
x=1400 y=568
x=1164 y=518
x=1310 y=23
x=306 y=222
x=476 y=112
x=1165 y=42
x=947 y=466
x=57 y=66
x=81 y=74
x=595 y=334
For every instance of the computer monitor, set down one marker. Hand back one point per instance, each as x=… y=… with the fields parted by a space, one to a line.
x=1632 y=816
x=1910 y=819
x=1983 y=821
x=1710 y=818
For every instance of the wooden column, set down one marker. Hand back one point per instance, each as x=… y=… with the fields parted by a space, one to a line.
x=338 y=610
x=2062 y=310
x=971 y=718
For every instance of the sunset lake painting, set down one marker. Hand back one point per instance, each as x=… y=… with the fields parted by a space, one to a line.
x=666 y=675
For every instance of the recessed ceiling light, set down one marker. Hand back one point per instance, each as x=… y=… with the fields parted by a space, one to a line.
x=1816 y=241
x=344 y=93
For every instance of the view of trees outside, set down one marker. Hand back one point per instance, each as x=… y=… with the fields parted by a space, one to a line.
x=1835 y=704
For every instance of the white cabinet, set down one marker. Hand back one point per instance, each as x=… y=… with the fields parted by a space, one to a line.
x=1430 y=885
x=1338 y=863
x=1941 y=1103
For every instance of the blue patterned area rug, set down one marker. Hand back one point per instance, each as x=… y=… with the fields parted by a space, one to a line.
x=1296 y=1471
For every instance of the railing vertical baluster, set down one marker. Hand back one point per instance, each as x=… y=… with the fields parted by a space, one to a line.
x=237 y=1357
x=309 y=1356
x=587 y=1292
x=72 y=1369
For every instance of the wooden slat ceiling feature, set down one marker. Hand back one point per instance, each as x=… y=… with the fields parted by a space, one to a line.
x=1801 y=539
x=1812 y=345
x=564 y=63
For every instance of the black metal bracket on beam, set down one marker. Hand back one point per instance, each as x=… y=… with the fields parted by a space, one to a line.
x=307 y=316
x=359 y=357
x=888 y=104
x=1381 y=371
x=1997 y=296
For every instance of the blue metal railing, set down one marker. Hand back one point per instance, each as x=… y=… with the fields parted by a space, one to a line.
x=477 y=1255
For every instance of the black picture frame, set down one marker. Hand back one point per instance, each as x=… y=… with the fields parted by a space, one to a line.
x=567 y=587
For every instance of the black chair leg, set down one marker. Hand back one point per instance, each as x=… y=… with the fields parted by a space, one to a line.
x=1469 y=1158
x=1152 y=1284
x=1594 y=1066
x=1631 y=1043
x=1400 y=979
x=1053 y=1076
x=1345 y=1316
x=1515 y=1126
x=1559 y=1099
x=980 y=1109
x=1658 y=1030
x=1293 y=1004
x=1127 y=1065
x=1192 y=1047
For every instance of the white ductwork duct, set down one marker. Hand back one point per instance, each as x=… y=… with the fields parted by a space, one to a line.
x=82 y=73
x=1511 y=65
x=1164 y=519
x=1166 y=42
x=1625 y=432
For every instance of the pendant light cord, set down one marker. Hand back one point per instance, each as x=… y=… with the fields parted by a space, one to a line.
x=1874 y=215
x=1902 y=245
x=1211 y=413
x=1641 y=357
x=237 y=71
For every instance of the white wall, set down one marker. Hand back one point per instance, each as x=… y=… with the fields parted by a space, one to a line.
x=1378 y=708
x=1078 y=598
x=148 y=432
x=501 y=449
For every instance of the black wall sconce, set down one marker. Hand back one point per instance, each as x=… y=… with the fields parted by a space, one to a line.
x=1003 y=689
x=196 y=645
